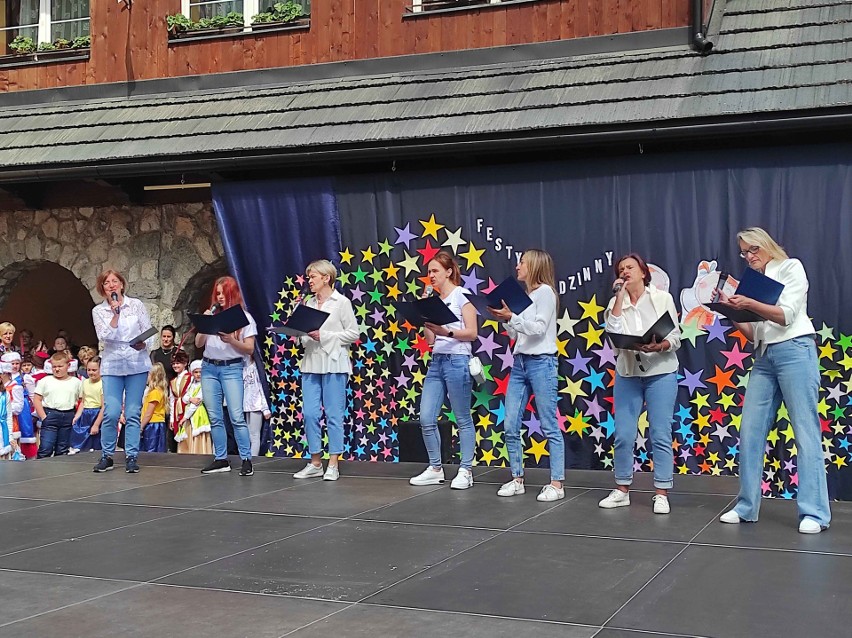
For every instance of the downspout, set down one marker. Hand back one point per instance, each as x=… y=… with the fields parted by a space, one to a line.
x=698 y=39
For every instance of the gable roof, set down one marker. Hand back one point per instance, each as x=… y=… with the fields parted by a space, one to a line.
x=767 y=62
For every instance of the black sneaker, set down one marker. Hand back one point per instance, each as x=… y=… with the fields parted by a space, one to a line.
x=104 y=465
x=130 y=465
x=215 y=466
x=246 y=469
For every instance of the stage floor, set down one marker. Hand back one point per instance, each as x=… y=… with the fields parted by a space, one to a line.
x=169 y=552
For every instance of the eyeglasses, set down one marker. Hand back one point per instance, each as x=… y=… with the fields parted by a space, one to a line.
x=749 y=251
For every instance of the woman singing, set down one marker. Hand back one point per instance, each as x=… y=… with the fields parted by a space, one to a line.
x=535 y=370
x=325 y=368
x=225 y=355
x=448 y=375
x=644 y=377
x=785 y=368
x=124 y=367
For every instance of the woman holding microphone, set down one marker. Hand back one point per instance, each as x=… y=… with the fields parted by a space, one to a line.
x=535 y=370
x=448 y=375
x=644 y=377
x=325 y=369
x=225 y=356
x=124 y=367
x=785 y=368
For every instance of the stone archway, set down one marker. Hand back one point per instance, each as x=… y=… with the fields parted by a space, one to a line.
x=45 y=297
x=196 y=293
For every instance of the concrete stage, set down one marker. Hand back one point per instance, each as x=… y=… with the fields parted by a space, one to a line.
x=169 y=552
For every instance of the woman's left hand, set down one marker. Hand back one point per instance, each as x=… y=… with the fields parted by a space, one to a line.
x=654 y=346
x=740 y=302
x=138 y=346
x=503 y=314
x=440 y=331
x=227 y=337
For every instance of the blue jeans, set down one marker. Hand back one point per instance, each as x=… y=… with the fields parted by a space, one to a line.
x=55 y=434
x=324 y=391
x=130 y=391
x=536 y=373
x=788 y=371
x=224 y=384
x=659 y=392
x=448 y=375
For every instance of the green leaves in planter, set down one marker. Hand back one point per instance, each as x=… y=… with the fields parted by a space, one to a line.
x=232 y=19
x=81 y=42
x=179 y=22
x=280 y=12
x=23 y=44
x=47 y=46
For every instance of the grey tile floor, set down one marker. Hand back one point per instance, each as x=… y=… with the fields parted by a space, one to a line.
x=169 y=552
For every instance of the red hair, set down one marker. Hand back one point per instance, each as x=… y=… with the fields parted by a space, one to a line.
x=231 y=290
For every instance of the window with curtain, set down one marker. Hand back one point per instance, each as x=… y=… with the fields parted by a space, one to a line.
x=19 y=17
x=211 y=8
x=69 y=19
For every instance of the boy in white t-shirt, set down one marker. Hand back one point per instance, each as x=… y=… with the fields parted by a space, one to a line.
x=55 y=400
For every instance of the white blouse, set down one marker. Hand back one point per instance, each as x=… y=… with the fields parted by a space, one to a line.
x=535 y=327
x=118 y=358
x=793 y=301
x=331 y=353
x=215 y=348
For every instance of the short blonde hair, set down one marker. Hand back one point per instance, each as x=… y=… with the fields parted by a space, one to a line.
x=6 y=327
x=756 y=236
x=85 y=354
x=323 y=267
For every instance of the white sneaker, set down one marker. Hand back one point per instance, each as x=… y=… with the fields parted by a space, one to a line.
x=549 y=493
x=512 y=488
x=331 y=473
x=730 y=517
x=616 y=498
x=72 y=450
x=463 y=480
x=429 y=476
x=809 y=526
x=661 y=504
x=309 y=471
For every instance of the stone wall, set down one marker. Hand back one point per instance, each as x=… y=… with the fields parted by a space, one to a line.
x=168 y=253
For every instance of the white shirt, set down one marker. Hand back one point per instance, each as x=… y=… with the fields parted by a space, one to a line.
x=253 y=395
x=118 y=358
x=455 y=301
x=535 y=328
x=217 y=349
x=331 y=353
x=635 y=320
x=793 y=301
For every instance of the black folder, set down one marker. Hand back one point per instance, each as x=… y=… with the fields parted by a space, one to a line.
x=229 y=320
x=301 y=321
x=431 y=309
x=661 y=329
x=509 y=290
x=150 y=332
x=754 y=285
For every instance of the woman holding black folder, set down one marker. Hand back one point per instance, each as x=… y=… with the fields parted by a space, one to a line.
x=325 y=369
x=448 y=374
x=124 y=367
x=644 y=376
x=785 y=368
x=225 y=355
x=534 y=371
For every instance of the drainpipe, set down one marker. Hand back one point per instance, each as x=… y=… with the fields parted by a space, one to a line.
x=699 y=39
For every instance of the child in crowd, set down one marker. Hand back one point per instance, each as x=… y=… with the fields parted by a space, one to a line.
x=177 y=388
x=85 y=354
x=55 y=398
x=11 y=399
x=86 y=432
x=254 y=405
x=22 y=409
x=196 y=422
x=154 y=412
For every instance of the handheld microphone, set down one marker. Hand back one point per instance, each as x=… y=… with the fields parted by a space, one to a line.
x=617 y=287
x=427 y=292
x=720 y=285
x=114 y=297
x=215 y=308
x=303 y=292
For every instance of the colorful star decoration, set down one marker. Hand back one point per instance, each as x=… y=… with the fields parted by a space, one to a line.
x=391 y=358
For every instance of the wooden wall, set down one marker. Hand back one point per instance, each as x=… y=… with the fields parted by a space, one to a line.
x=133 y=45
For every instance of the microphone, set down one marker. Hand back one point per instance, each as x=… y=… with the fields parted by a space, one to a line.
x=114 y=297
x=723 y=279
x=428 y=291
x=303 y=292
x=215 y=308
x=616 y=288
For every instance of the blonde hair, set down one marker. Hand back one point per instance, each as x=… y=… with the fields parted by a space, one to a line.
x=85 y=354
x=6 y=327
x=323 y=267
x=157 y=378
x=540 y=269
x=756 y=236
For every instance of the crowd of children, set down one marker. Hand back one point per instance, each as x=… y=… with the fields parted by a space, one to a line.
x=52 y=402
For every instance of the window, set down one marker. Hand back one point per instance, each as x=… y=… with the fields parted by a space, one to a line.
x=195 y=10
x=435 y=5
x=42 y=20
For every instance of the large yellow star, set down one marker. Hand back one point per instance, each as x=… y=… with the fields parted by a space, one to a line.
x=826 y=351
x=574 y=388
x=537 y=449
x=369 y=255
x=591 y=310
x=560 y=347
x=391 y=270
x=346 y=256
x=592 y=336
x=473 y=256
x=488 y=457
x=431 y=227
x=576 y=423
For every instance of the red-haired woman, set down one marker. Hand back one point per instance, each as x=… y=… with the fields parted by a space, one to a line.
x=225 y=356
x=124 y=367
